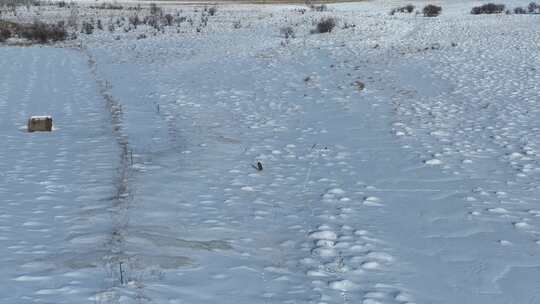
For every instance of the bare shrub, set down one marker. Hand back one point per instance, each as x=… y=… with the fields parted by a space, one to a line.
x=13 y=4
x=533 y=8
x=4 y=34
x=204 y=20
x=107 y=6
x=520 y=11
x=325 y=25
x=287 y=32
x=319 y=8
x=180 y=19
x=168 y=19
x=134 y=8
x=42 y=33
x=155 y=10
x=431 y=10
x=489 y=8
x=152 y=21
x=134 y=20
x=347 y=25
x=73 y=18
x=87 y=28
x=409 y=8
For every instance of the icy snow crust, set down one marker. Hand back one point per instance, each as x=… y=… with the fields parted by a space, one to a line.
x=421 y=188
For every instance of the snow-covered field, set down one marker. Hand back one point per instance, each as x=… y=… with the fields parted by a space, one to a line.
x=421 y=188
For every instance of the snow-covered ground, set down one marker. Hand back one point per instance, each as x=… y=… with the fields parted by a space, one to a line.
x=56 y=188
x=421 y=188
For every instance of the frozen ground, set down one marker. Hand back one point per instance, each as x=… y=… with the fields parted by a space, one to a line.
x=421 y=188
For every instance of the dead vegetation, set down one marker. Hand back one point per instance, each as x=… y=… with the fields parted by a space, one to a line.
x=37 y=32
x=324 y=25
x=431 y=10
x=409 y=8
x=489 y=8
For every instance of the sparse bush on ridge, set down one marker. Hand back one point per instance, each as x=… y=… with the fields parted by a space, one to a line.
x=489 y=8
x=431 y=10
x=347 y=25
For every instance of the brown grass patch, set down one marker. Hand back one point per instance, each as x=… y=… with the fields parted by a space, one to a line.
x=37 y=32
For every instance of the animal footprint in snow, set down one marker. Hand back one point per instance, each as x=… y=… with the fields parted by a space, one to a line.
x=343 y=285
x=522 y=225
x=372 y=201
x=505 y=243
x=498 y=210
x=534 y=212
x=325 y=252
x=380 y=256
x=316 y=273
x=371 y=265
x=433 y=162
x=323 y=235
